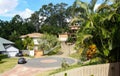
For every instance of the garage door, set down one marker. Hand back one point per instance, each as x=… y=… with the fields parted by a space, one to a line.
x=12 y=53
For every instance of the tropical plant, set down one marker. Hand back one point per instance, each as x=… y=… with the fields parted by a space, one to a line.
x=98 y=28
x=86 y=17
x=91 y=51
x=28 y=43
x=48 y=43
x=64 y=64
x=105 y=36
x=84 y=36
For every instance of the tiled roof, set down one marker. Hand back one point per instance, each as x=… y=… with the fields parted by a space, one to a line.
x=32 y=35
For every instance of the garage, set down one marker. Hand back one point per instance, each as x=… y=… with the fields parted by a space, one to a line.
x=11 y=53
x=11 y=50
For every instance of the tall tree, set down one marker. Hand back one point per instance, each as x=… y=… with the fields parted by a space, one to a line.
x=53 y=15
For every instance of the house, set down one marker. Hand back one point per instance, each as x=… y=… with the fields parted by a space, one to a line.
x=63 y=37
x=72 y=32
x=35 y=37
x=6 y=47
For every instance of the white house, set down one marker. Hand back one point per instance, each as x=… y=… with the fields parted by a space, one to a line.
x=6 y=47
x=35 y=37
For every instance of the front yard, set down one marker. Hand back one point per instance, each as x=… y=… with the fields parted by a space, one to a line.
x=7 y=64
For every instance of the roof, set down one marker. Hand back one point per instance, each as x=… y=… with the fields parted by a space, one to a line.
x=2 y=47
x=7 y=46
x=2 y=42
x=32 y=35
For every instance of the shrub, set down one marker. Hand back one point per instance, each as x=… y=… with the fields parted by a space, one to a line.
x=54 y=51
x=26 y=55
x=64 y=64
x=65 y=74
x=2 y=56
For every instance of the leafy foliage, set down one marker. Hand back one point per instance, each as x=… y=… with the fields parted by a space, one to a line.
x=98 y=28
x=64 y=64
x=28 y=43
x=48 y=43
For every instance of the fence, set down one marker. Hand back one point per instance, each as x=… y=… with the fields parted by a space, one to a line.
x=110 y=69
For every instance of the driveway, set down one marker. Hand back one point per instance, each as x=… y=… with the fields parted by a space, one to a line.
x=37 y=65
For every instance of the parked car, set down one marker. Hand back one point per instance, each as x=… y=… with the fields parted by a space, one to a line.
x=22 y=61
x=19 y=55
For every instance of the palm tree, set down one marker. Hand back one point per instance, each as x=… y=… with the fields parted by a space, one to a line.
x=86 y=17
x=48 y=43
x=28 y=43
x=107 y=29
x=97 y=28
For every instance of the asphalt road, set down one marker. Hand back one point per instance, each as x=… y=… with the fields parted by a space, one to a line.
x=48 y=62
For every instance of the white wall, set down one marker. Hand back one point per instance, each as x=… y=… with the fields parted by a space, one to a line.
x=35 y=40
x=12 y=51
x=62 y=39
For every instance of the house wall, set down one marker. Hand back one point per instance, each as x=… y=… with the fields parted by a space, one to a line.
x=12 y=51
x=63 y=37
x=35 y=40
x=3 y=52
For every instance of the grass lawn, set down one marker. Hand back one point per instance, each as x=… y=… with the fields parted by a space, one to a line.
x=7 y=64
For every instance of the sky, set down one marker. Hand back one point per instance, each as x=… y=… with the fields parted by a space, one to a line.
x=24 y=8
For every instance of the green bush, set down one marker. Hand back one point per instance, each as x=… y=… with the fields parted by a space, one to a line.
x=55 y=51
x=65 y=74
x=26 y=55
x=2 y=56
x=64 y=64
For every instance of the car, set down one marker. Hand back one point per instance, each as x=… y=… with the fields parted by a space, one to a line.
x=19 y=55
x=22 y=61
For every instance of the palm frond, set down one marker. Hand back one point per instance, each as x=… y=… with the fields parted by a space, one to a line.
x=92 y=4
x=83 y=5
x=76 y=19
x=102 y=7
